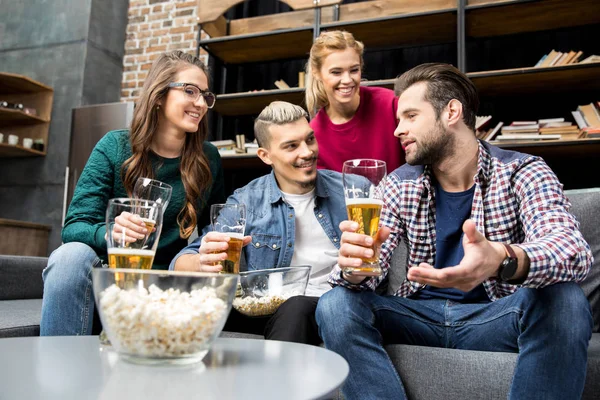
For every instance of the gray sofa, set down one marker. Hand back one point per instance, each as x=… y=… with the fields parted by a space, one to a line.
x=428 y=373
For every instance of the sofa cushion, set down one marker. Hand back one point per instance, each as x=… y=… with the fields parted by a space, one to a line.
x=20 y=318
x=21 y=277
x=585 y=205
x=465 y=372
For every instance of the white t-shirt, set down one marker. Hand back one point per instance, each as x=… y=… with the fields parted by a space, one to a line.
x=312 y=246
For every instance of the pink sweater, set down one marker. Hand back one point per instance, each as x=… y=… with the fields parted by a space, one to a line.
x=369 y=134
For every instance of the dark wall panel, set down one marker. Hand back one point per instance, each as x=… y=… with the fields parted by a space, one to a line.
x=76 y=47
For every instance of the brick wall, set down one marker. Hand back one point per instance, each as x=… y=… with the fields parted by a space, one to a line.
x=155 y=26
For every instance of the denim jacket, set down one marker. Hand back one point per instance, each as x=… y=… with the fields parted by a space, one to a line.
x=271 y=221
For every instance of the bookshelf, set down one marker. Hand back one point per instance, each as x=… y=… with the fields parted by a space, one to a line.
x=16 y=88
x=388 y=25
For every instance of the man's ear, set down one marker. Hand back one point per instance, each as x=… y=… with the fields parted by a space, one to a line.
x=454 y=112
x=264 y=155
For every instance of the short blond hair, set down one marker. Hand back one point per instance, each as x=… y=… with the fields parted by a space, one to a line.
x=276 y=113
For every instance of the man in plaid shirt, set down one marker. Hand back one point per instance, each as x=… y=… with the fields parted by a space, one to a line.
x=493 y=255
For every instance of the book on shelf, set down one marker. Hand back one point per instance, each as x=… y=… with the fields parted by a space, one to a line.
x=281 y=84
x=494 y=132
x=549 y=121
x=541 y=61
x=590 y=114
x=527 y=129
x=560 y=129
x=228 y=143
x=558 y=60
x=521 y=123
x=526 y=137
x=592 y=133
x=549 y=58
x=579 y=119
x=591 y=59
x=482 y=121
x=576 y=58
x=568 y=58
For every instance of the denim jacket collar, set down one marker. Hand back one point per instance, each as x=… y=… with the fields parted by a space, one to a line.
x=274 y=194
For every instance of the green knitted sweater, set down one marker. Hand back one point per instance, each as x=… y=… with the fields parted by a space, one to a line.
x=101 y=180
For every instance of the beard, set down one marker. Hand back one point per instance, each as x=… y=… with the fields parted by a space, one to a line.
x=436 y=145
x=308 y=185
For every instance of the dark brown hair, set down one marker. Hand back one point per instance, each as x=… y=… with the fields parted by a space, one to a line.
x=444 y=83
x=194 y=166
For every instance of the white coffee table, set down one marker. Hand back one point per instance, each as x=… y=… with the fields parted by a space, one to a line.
x=79 y=368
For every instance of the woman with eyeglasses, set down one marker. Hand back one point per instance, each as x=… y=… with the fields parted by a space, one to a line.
x=167 y=142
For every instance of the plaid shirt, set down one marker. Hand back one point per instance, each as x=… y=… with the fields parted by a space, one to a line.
x=518 y=200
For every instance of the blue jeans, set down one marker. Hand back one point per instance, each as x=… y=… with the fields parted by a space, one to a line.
x=68 y=305
x=550 y=328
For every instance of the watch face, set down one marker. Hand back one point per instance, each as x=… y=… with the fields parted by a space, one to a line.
x=508 y=268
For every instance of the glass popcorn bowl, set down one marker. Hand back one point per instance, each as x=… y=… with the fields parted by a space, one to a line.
x=156 y=317
x=261 y=292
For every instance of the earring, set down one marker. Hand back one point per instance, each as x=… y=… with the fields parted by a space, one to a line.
x=158 y=107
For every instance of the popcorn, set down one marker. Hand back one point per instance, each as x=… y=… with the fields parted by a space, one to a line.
x=258 y=306
x=156 y=323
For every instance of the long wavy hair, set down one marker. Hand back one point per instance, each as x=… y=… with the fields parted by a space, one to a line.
x=324 y=45
x=194 y=166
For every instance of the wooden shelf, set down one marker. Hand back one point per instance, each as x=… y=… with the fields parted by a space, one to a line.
x=376 y=23
x=17 y=84
x=250 y=161
x=489 y=83
x=21 y=89
x=555 y=148
x=266 y=46
x=413 y=29
x=9 y=116
x=253 y=102
x=9 y=150
x=537 y=80
x=496 y=18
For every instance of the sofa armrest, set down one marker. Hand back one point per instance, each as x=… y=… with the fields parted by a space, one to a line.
x=21 y=277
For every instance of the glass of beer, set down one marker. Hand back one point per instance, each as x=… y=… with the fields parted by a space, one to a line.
x=125 y=251
x=231 y=220
x=151 y=189
x=364 y=187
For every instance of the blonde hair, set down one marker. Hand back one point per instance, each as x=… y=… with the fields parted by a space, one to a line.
x=324 y=45
x=195 y=170
x=276 y=113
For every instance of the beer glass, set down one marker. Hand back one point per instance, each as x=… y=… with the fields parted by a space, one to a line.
x=231 y=220
x=123 y=250
x=364 y=187
x=151 y=189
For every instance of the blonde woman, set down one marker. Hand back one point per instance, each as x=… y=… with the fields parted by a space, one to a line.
x=166 y=142
x=350 y=121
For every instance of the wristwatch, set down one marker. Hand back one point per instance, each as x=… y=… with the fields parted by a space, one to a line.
x=508 y=266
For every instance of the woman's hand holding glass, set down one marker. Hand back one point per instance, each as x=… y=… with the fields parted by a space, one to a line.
x=128 y=228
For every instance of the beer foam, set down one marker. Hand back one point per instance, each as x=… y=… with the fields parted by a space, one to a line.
x=375 y=202
x=130 y=252
x=234 y=235
x=161 y=323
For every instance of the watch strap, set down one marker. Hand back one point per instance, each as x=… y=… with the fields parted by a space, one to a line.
x=509 y=251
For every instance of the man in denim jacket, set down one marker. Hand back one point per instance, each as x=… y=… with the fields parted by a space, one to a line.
x=293 y=218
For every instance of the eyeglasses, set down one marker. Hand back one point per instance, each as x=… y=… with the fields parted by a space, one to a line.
x=193 y=93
